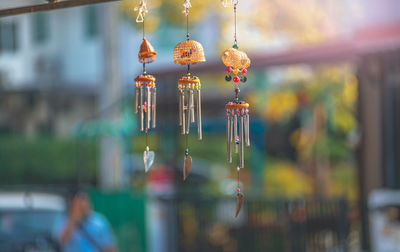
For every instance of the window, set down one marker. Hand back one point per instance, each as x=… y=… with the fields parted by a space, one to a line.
x=40 y=27
x=392 y=133
x=8 y=37
x=91 y=28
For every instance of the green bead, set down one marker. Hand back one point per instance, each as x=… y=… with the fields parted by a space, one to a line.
x=235 y=46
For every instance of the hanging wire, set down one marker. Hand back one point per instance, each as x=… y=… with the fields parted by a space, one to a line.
x=234 y=15
x=144 y=64
x=187 y=27
x=143 y=28
x=187 y=38
x=238 y=177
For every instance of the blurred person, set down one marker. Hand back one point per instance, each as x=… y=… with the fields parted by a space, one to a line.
x=83 y=229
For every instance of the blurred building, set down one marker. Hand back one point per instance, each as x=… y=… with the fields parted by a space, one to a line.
x=51 y=64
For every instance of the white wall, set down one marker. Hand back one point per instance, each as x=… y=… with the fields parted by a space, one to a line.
x=78 y=57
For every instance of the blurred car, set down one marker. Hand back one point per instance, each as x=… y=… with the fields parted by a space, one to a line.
x=27 y=219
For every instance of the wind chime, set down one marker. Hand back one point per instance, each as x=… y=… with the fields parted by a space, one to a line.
x=145 y=88
x=237 y=110
x=189 y=88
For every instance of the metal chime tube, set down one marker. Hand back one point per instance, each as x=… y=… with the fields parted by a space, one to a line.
x=141 y=108
x=192 y=115
x=183 y=112
x=188 y=110
x=247 y=127
x=241 y=140
x=199 y=125
x=235 y=131
x=180 y=94
x=148 y=107
x=231 y=122
x=136 y=100
x=153 y=107
x=228 y=137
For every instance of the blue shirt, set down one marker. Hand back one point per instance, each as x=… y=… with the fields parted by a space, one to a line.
x=96 y=226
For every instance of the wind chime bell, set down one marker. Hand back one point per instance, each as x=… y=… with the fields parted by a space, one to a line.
x=237 y=111
x=147 y=54
x=189 y=52
x=145 y=89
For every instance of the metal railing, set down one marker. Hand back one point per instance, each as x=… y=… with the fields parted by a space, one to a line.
x=262 y=225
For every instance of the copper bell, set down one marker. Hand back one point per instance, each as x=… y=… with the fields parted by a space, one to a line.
x=147 y=54
x=188 y=51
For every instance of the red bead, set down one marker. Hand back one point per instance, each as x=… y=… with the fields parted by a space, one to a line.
x=227 y=111
x=228 y=69
x=146 y=130
x=236 y=79
x=238 y=190
x=244 y=71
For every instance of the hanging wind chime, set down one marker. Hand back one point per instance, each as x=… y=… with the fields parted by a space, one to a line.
x=237 y=110
x=189 y=88
x=145 y=89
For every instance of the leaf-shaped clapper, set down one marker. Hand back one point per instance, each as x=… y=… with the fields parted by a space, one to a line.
x=187 y=166
x=148 y=158
x=239 y=202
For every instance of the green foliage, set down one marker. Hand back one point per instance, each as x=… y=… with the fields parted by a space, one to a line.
x=45 y=160
x=336 y=148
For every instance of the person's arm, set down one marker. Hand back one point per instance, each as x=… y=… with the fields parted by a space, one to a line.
x=74 y=218
x=67 y=231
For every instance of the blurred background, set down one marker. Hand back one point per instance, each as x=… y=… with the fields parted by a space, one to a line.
x=324 y=163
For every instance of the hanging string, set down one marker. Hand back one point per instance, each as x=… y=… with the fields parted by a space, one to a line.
x=234 y=15
x=143 y=28
x=187 y=34
x=238 y=177
x=144 y=64
x=187 y=27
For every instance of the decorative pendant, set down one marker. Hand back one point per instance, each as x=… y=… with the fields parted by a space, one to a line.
x=145 y=89
x=237 y=111
x=187 y=165
x=148 y=158
x=239 y=202
x=189 y=52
